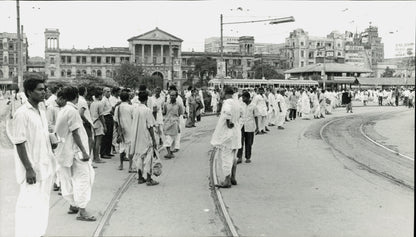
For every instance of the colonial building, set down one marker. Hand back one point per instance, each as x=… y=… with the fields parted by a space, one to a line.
x=8 y=56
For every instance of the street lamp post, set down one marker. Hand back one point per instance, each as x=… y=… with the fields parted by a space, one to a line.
x=271 y=21
x=19 y=51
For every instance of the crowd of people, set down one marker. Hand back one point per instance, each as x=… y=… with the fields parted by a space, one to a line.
x=61 y=133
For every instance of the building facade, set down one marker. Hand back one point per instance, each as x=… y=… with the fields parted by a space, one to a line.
x=8 y=56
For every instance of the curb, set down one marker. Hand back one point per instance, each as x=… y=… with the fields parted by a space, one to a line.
x=218 y=200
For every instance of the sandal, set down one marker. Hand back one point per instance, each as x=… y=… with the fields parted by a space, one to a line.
x=132 y=170
x=141 y=181
x=86 y=218
x=73 y=210
x=151 y=182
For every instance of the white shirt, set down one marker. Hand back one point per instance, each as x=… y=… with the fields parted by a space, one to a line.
x=30 y=127
x=281 y=100
x=142 y=121
x=158 y=102
x=68 y=121
x=113 y=100
x=50 y=100
x=224 y=136
x=248 y=116
x=123 y=115
x=82 y=103
x=107 y=106
x=260 y=102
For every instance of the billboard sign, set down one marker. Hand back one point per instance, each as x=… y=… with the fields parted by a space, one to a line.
x=405 y=50
x=221 y=69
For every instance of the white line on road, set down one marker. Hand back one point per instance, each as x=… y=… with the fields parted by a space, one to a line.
x=382 y=146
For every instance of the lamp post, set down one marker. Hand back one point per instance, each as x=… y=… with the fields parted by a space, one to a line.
x=19 y=51
x=323 y=73
x=271 y=21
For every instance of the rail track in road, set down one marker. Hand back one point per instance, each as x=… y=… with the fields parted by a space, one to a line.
x=346 y=136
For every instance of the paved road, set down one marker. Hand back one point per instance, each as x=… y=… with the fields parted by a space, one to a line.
x=298 y=185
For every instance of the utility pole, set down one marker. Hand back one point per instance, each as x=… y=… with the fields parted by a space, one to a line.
x=222 y=55
x=19 y=51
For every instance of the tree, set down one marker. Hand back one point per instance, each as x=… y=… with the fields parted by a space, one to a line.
x=204 y=68
x=266 y=70
x=151 y=82
x=388 y=72
x=128 y=75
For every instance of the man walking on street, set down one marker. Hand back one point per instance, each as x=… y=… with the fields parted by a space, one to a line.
x=34 y=161
x=98 y=123
x=76 y=172
x=143 y=139
x=227 y=138
x=106 y=143
x=172 y=112
x=249 y=126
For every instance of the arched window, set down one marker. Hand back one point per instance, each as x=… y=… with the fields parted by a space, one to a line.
x=184 y=74
x=52 y=73
x=63 y=73
x=94 y=73
x=108 y=73
x=68 y=73
x=78 y=73
x=99 y=73
x=84 y=72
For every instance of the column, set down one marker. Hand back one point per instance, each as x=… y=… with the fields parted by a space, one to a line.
x=161 y=52
x=143 y=54
x=151 y=54
x=133 y=60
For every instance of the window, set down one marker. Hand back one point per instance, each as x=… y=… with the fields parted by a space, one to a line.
x=99 y=74
x=63 y=73
x=5 y=59
x=84 y=72
x=94 y=73
x=302 y=54
x=63 y=59
x=68 y=73
x=318 y=44
x=52 y=73
x=154 y=60
x=248 y=63
x=113 y=60
x=84 y=59
x=98 y=60
x=301 y=43
x=107 y=59
x=78 y=73
x=93 y=59
x=108 y=73
x=339 y=54
x=78 y=59
x=52 y=60
x=310 y=54
x=11 y=46
x=68 y=59
x=127 y=59
x=302 y=64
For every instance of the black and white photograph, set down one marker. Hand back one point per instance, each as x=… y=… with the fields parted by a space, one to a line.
x=207 y=118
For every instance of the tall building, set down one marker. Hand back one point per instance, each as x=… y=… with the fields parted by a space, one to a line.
x=372 y=42
x=8 y=56
x=213 y=44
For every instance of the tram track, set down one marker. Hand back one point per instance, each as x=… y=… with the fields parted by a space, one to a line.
x=367 y=153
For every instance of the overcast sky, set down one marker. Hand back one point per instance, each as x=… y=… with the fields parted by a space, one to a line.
x=98 y=24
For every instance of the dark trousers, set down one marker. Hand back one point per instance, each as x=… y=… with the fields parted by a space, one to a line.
x=247 y=139
x=380 y=100
x=292 y=114
x=107 y=140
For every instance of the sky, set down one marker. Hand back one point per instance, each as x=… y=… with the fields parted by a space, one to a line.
x=84 y=24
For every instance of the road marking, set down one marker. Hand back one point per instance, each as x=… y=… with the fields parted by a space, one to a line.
x=382 y=146
x=223 y=210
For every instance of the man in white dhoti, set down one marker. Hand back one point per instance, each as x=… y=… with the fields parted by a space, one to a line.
x=316 y=109
x=35 y=165
x=179 y=101
x=260 y=102
x=272 y=111
x=227 y=138
x=281 y=109
x=143 y=139
x=214 y=101
x=172 y=112
x=123 y=117
x=305 y=107
x=157 y=103
x=76 y=172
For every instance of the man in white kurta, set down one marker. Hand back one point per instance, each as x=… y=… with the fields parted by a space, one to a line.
x=157 y=103
x=281 y=109
x=272 y=112
x=76 y=172
x=34 y=162
x=123 y=117
x=143 y=140
x=227 y=137
x=305 y=106
x=214 y=101
x=260 y=102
